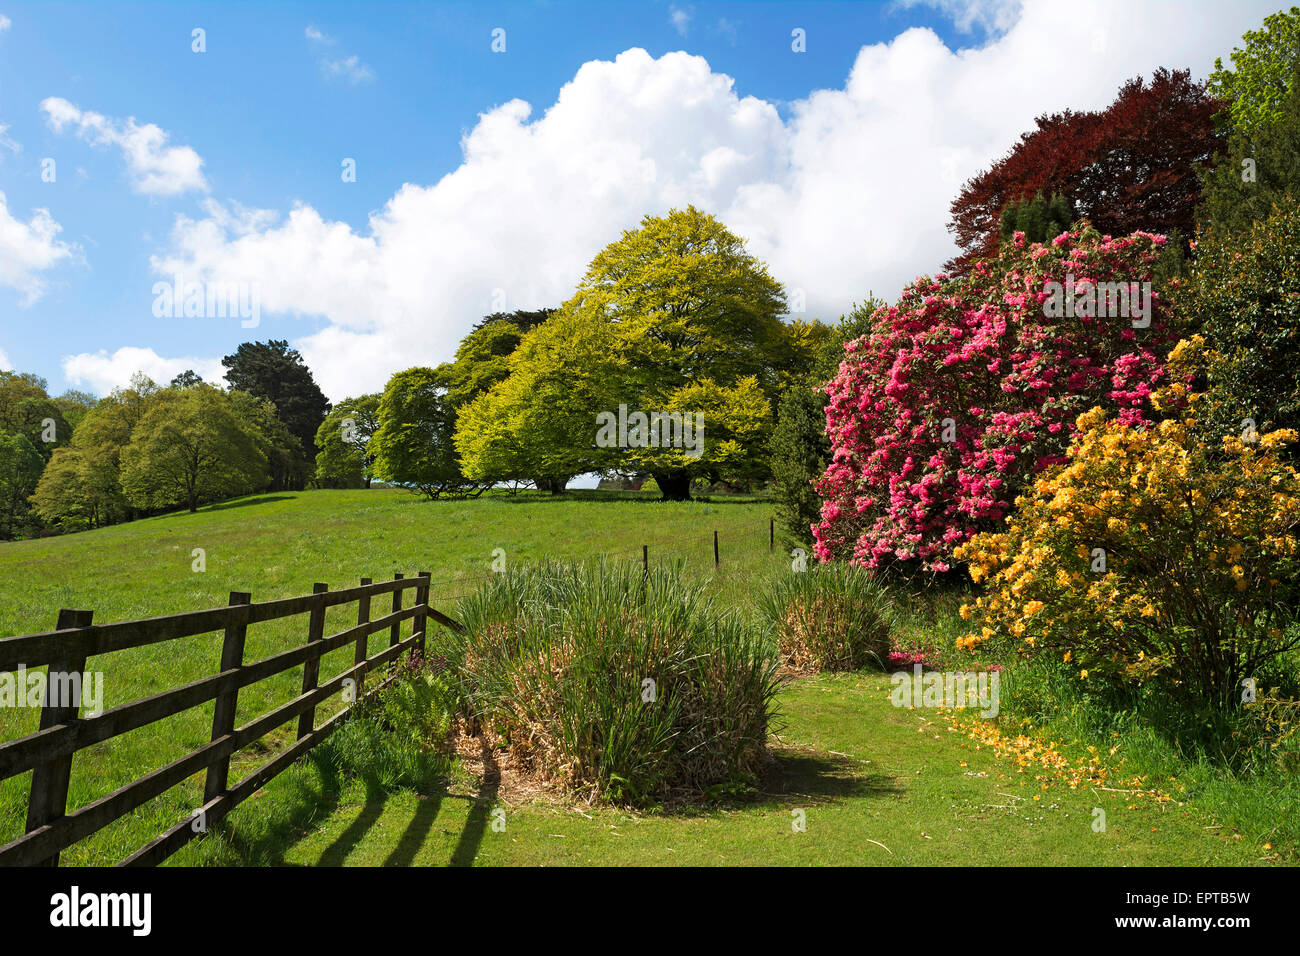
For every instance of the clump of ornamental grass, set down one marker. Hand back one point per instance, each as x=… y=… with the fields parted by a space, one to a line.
x=616 y=684
x=831 y=617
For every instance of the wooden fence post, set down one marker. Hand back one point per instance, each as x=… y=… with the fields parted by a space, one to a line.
x=645 y=561
x=48 y=799
x=395 y=632
x=422 y=619
x=363 y=642
x=223 y=712
x=715 y=549
x=771 y=534
x=311 y=668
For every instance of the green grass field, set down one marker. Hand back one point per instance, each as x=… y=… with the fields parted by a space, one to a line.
x=876 y=784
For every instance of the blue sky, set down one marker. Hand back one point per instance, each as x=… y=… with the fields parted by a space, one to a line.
x=836 y=163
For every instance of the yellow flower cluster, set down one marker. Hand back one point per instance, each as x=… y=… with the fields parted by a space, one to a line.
x=1145 y=539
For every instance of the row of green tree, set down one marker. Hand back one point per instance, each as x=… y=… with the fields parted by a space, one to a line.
x=675 y=318
x=74 y=461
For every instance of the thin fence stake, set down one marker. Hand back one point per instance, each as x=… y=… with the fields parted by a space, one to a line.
x=422 y=618
x=645 y=560
x=771 y=534
x=715 y=549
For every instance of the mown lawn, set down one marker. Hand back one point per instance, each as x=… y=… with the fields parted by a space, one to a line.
x=877 y=786
x=866 y=775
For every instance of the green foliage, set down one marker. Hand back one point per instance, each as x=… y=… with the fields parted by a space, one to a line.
x=63 y=496
x=26 y=409
x=798 y=449
x=1262 y=75
x=1243 y=296
x=1038 y=218
x=192 y=447
x=616 y=685
x=399 y=735
x=1260 y=170
x=185 y=379
x=345 y=459
x=287 y=466
x=830 y=617
x=539 y=422
x=273 y=371
x=413 y=444
x=674 y=314
x=75 y=405
x=20 y=469
x=98 y=440
x=483 y=356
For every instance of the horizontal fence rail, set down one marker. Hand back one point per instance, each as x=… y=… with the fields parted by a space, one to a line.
x=49 y=751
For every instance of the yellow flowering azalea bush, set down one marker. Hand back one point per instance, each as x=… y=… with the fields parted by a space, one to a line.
x=1150 y=555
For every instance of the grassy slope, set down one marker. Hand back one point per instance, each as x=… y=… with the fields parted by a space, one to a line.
x=276 y=546
x=905 y=789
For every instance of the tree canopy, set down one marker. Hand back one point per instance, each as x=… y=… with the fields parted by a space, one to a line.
x=273 y=371
x=1262 y=75
x=192 y=446
x=413 y=444
x=1127 y=168
x=345 y=459
x=674 y=318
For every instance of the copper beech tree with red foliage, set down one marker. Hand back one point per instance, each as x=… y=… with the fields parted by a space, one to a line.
x=1128 y=168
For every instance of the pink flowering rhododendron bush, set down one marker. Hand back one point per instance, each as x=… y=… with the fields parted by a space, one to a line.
x=967 y=388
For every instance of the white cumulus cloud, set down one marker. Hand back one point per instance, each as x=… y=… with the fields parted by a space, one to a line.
x=155 y=167
x=846 y=195
x=994 y=16
x=102 y=372
x=28 y=249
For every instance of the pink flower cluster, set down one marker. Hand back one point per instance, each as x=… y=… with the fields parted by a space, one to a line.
x=966 y=389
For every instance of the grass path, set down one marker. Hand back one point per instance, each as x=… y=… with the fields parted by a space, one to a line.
x=860 y=769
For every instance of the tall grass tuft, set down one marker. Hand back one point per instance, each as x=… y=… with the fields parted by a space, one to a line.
x=831 y=617
x=617 y=685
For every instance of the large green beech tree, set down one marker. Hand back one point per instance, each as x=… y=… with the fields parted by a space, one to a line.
x=674 y=322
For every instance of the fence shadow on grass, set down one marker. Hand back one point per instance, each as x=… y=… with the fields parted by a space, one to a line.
x=269 y=845
x=476 y=823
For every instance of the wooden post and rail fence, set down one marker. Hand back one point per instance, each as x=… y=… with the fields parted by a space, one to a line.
x=63 y=732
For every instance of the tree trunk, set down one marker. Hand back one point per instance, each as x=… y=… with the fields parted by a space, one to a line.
x=675 y=485
x=555 y=486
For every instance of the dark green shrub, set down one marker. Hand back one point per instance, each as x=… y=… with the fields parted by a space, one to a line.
x=1243 y=296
